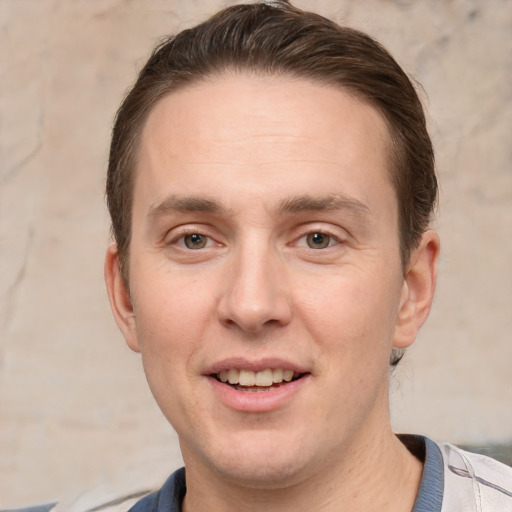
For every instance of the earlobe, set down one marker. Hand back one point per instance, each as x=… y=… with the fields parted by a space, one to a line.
x=418 y=290
x=119 y=298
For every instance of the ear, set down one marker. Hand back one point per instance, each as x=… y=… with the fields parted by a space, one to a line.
x=119 y=298
x=418 y=290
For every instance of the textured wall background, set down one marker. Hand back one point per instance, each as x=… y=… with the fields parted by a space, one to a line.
x=74 y=408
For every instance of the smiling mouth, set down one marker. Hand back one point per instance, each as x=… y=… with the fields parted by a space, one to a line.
x=254 y=382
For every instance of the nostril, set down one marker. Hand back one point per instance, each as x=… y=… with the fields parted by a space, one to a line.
x=254 y=321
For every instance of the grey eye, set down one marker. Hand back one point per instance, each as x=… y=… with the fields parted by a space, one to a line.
x=195 y=241
x=318 y=240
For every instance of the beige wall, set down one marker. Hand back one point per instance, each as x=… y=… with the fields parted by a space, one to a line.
x=74 y=408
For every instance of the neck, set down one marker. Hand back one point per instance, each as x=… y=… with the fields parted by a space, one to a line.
x=379 y=475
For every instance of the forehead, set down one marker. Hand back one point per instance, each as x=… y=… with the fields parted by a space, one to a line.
x=229 y=128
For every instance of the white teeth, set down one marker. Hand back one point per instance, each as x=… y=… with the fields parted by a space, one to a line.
x=288 y=375
x=247 y=378
x=263 y=378
x=277 y=375
x=233 y=376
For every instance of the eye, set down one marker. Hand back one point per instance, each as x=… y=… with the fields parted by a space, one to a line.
x=196 y=241
x=319 y=240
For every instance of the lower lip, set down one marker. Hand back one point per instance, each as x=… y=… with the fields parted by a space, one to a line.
x=258 y=401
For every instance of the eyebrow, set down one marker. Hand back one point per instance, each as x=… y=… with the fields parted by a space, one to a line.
x=331 y=202
x=184 y=204
x=292 y=205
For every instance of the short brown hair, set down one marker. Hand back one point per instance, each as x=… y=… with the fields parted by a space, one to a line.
x=278 y=39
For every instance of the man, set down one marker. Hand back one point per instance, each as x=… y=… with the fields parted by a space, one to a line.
x=271 y=183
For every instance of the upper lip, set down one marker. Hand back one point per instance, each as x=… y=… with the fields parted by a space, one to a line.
x=255 y=365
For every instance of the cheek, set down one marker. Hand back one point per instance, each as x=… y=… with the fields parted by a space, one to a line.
x=169 y=301
x=351 y=312
x=171 y=315
x=169 y=331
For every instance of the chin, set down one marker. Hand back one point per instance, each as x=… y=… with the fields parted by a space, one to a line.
x=260 y=463
x=264 y=475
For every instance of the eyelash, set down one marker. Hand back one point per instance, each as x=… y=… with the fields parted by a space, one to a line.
x=180 y=240
x=333 y=239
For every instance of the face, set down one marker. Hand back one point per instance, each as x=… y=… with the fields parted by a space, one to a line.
x=266 y=289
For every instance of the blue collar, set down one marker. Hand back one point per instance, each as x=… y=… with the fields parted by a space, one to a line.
x=430 y=494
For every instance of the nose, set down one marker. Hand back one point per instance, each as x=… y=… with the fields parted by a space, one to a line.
x=255 y=296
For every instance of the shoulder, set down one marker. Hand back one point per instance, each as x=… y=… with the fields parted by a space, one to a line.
x=130 y=497
x=137 y=490
x=97 y=499
x=476 y=479
x=47 y=507
x=168 y=499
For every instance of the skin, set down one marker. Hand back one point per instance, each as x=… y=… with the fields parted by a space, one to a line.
x=256 y=166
